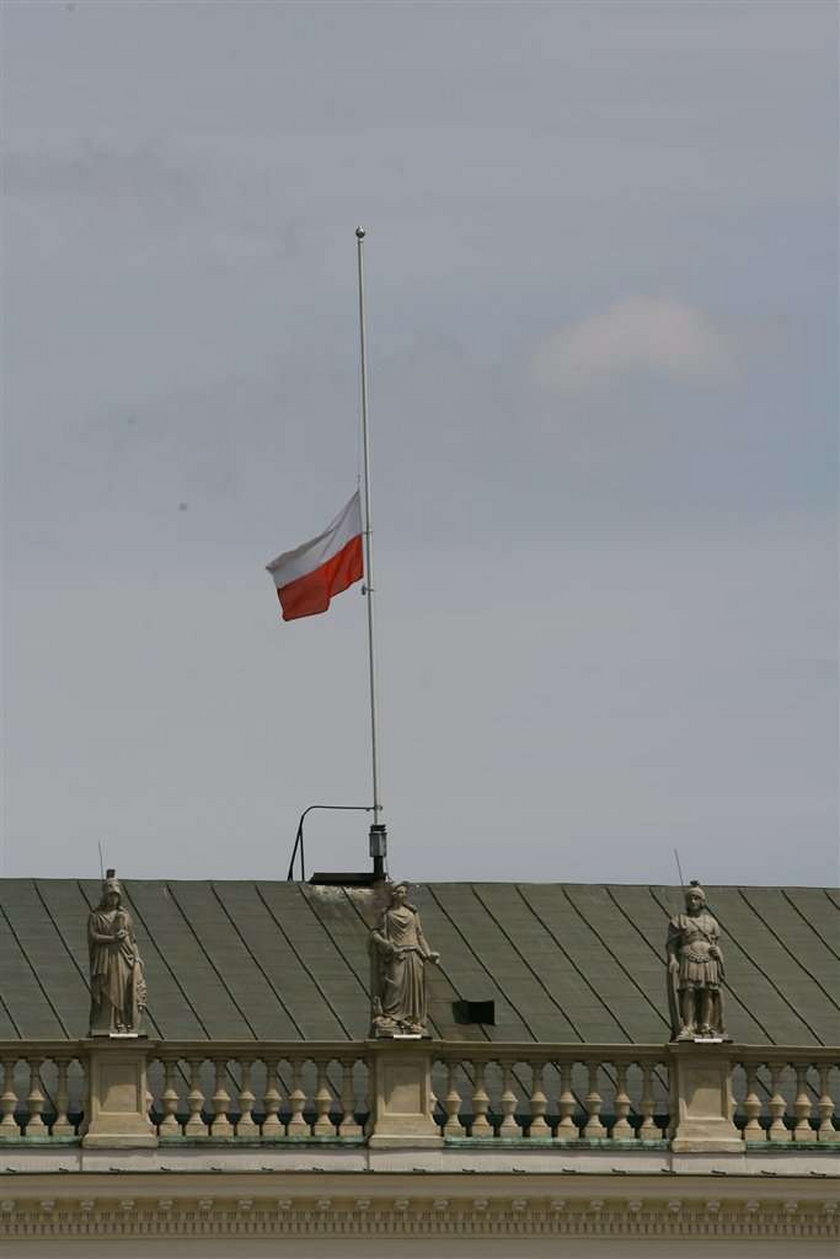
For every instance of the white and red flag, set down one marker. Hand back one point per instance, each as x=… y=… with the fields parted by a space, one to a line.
x=308 y=577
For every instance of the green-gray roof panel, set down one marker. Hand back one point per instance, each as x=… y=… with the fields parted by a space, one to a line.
x=779 y=991
x=812 y=904
x=244 y=960
x=539 y=951
x=187 y=961
x=21 y=991
x=36 y=934
x=648 y=909
x=453 y=930
x=310 y=967
x=609 y=1016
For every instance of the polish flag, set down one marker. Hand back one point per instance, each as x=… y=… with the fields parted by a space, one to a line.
x=308 y=577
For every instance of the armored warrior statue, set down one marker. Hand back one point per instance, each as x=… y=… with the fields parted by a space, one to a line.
x=399 y=954
x=117 y=983
x=695 y=971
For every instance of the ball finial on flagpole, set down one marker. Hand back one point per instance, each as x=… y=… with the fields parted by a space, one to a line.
x=360 y=232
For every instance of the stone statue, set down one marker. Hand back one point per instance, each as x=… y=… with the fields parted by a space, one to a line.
x=399 y=954
x=695 y=971
x=117 y=983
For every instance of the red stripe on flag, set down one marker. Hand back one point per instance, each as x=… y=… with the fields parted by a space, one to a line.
x=310 y=594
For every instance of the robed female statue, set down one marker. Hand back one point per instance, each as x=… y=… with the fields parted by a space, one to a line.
x=117 y=984
x=399 y=954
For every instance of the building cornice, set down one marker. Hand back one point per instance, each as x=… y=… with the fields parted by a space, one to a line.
x=405 y=1206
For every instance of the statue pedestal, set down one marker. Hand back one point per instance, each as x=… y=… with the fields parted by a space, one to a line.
x=401 y=1095
x=701 y=1102
x=117 y=1111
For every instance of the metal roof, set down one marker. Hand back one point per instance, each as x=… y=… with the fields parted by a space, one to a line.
x=288 y=961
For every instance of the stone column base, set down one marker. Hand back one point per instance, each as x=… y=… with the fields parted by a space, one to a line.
x=117 y=1115
x=701 y=1101
x=402 y=1096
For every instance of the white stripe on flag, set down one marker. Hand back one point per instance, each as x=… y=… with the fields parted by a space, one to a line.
x=311 y=555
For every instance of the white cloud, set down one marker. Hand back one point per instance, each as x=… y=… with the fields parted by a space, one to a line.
x=639 y=335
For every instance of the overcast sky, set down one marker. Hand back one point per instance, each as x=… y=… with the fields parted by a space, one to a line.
x=602 y=270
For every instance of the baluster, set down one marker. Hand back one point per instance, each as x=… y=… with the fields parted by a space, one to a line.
x=453 y=1126
x=622 y=1129
x=348 y=1126
x=508 y=1127
x=221 y=1125
x=35 y=1126
x=538 y=1129
x=195 y=1126
x=481 y=1127
x=169 y=1126
x=825 y=1106
x=802 y=1106
x=298 y=1127
x=9 y=1130
x=245 y=1126
x=272 y=1101
x=649 y=1129
x=567 y=1128
x=753 y=1130
x=324 y=1126
x=777 y=1105
x=594 y=1129
x=62 y=1127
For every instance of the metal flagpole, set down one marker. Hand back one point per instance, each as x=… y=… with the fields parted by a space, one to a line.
x=378 y=836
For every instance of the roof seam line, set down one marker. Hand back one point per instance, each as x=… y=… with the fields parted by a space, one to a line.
x=617 y=960
x=770 y=981
x=254 y=958
x=210 y=961
x=290 y=943
x=332 y=941
x=60 y=934
x=486 y=970
x=163 y=958
x=790 y=953
x=807 y=920
x=573 y=964
x=46 y=995
x=525 y=962
x=11 y=1018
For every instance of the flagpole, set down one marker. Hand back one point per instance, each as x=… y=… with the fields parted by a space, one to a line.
x=378 y=840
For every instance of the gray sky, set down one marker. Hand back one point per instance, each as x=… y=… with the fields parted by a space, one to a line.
x=602 y=271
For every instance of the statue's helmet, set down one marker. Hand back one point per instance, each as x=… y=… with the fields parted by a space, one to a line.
x=111 y=884
x=694 y=889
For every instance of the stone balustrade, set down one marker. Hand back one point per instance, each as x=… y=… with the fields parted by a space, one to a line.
x=45 y=1093
x=786 y=1095
x=194 y=1091
x=273 y=1091
x=570 y=1094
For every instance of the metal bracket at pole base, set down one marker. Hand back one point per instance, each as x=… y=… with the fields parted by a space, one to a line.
x=298 y=848
x=378 y=848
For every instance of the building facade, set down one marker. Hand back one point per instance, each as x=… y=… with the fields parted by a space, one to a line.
x=546 y=1106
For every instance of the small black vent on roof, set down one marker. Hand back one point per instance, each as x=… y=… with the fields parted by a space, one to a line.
x=347 y=878
x=474 y=1012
